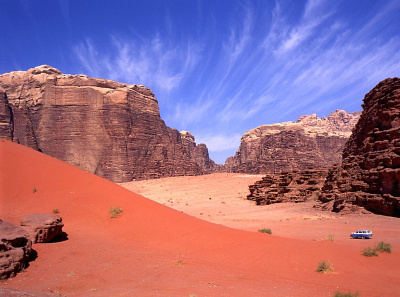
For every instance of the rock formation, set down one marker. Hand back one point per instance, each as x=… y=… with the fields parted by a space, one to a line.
x=369 y=175
x=294 y=186
x=310 y=142
x=42 y=227
x=15 y=249
x=108 y=128
x=6 y=120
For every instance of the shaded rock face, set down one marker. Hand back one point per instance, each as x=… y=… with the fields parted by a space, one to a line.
x=15 y=249
x=369 y=175
x=6 y=120
x=198 y=153
x=310 y=142
x=294 y=186
x=42 y=227
x=111 y=129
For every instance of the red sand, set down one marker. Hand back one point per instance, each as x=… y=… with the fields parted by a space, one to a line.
x=153 y=250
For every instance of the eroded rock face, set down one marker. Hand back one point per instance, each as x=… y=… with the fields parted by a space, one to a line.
x=15 y=249
x=6 y=120
x=295 y=186
x=108 y=128
x=42 y=227
x=310 y=142
x=369 y=175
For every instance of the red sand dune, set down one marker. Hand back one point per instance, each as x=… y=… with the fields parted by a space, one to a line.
x=152 y=250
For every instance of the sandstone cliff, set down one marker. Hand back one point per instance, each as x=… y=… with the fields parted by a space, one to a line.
x=108 y=128
x=369 y=175
x=310 y=142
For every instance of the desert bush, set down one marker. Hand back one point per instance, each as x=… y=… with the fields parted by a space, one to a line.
x=383 y=247
x=330 y=237
x=115 y=212
x=34 y=190
x=265 y=231
x=348 y=294
x=325 y=267
x=56 y=211
x=369 y=252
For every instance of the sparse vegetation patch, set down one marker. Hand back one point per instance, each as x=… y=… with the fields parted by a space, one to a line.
x=115 y=212
x=348 y=294
x=56 y=211
x=369 y=252
x=324 y=267
x=34 y=190
x=265 y=231
x=383 y=247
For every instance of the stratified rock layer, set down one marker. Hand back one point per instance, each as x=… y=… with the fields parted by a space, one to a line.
x=111 y=129
x=42 y=227
x=369 y=175
x=15 y=249
x=310 y=142
x=295 y=186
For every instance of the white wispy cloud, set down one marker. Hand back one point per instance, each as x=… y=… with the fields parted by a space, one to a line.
x=266 y=64
x=153 y=62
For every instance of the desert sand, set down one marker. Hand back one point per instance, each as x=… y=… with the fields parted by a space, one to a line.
x=152 y=249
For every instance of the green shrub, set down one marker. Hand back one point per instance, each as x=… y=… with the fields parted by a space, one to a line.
x=383 y=247
x=115 y=212
x=265 y=231
x=325 y=267
x=56 y=211
x=369 y=252
x=348 y=294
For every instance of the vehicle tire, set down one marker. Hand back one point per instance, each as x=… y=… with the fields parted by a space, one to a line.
x=362 y=237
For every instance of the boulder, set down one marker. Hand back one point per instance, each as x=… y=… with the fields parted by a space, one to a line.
x=42 y=227
x=15 y=249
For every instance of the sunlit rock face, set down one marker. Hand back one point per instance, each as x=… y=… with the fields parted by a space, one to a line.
x=293 y=186
x=310 y=142
x=108 y=128
x=369 y=175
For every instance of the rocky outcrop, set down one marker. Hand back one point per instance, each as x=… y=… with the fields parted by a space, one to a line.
x=369 y=175
x=310 y=142
x=198 y=153
x=294 y=186
x=42 y=227
x=108 y=128
x=6 y=120
x=15 y=249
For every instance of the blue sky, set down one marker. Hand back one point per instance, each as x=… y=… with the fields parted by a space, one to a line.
x=218 y=68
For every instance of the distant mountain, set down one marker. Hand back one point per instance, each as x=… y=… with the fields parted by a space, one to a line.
x=310 y=142
x=108 y=128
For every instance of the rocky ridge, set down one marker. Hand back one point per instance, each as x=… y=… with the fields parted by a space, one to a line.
x=294 y=186
x=108 y=128
x=369 y=175
x=310 y=142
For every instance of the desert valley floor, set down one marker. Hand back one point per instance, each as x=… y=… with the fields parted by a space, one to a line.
x=197 y=238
